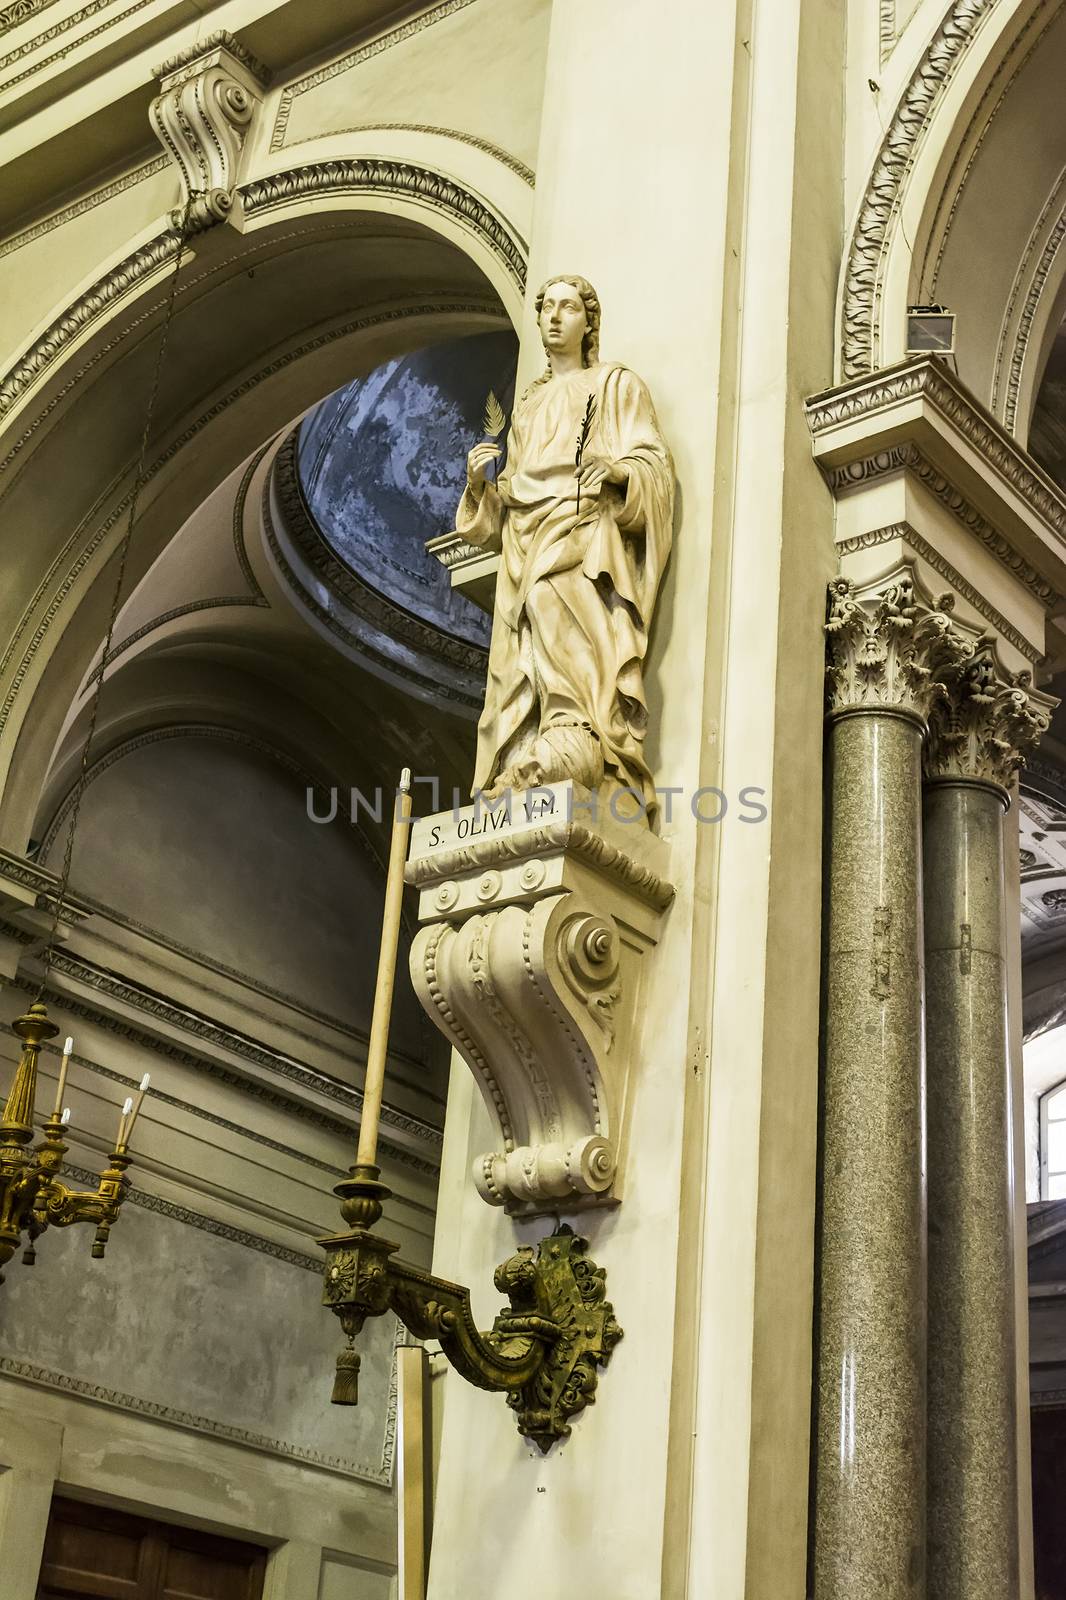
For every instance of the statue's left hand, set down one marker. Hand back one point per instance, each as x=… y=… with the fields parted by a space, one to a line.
x=595 y=472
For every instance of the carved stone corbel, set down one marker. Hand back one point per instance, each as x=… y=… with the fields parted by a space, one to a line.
x=208 y=97
x=529 y=961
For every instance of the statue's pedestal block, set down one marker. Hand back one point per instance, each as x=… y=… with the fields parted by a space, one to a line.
x=537 y=912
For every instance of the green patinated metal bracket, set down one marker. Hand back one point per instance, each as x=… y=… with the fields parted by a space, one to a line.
x=543 y=1350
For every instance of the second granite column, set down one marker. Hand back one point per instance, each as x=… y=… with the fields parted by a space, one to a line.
x=869 y=1531
x=976 y=736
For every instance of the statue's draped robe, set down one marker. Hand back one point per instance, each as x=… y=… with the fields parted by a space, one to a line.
x=575 y=590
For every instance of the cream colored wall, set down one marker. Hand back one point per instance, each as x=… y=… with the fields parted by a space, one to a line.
x=476 y=73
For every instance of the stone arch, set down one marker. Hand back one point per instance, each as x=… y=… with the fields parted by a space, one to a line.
x=963 y=206
x=398 y=255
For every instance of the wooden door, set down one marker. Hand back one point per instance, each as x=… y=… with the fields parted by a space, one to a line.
x=92 y=1553
x=1049 y=1501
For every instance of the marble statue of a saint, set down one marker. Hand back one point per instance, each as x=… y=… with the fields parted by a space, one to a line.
x=583 y=538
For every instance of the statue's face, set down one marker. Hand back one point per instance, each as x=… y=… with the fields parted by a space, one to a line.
x=563 y=321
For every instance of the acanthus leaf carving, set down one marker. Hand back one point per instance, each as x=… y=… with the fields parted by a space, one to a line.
x=890 y=649
x=986 y=722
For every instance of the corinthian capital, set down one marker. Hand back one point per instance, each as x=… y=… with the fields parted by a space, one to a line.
x=209 y=95
x=986 y=722
x=890 y=648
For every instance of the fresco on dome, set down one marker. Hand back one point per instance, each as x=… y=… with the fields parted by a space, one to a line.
x=383 y=462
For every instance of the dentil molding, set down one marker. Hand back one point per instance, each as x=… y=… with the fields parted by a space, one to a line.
x=535 y=927
x=209 y=95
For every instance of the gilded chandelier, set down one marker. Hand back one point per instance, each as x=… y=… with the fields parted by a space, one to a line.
x=32 y=1198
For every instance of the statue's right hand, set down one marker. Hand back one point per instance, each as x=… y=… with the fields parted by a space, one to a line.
x=477 y=463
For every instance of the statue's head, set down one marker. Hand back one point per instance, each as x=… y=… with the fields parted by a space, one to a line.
x=568 y=313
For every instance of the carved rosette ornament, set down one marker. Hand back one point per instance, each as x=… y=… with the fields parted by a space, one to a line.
x=529 y=962
x=890 y=650
x=209 y=95
x=986 y=722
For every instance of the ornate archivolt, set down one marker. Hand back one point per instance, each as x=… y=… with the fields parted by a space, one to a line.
x=953 y=116
x=861 y=298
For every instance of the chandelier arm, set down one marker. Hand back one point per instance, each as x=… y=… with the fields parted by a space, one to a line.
x=432 y=1308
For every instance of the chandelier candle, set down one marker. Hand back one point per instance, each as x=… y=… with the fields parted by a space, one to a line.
x=63 y=1067
x=132 y=1110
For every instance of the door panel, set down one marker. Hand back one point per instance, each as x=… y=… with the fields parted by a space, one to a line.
x=94 y=1553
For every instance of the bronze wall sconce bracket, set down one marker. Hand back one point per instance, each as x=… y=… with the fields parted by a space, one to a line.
x=543 y=1350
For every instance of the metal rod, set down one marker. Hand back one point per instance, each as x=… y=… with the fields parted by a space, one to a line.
x=377 y=1050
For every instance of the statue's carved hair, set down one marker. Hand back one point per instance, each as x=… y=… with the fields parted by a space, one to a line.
x=590 y=344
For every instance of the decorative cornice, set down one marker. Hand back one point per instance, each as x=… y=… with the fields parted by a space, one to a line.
x=888 y=648
x=908 y=458
x=368 y=603
x=354 y=58
x=574 y=837
x=40 y=63
x=239 y=547
x=219 y=40
x=400 y=179
x=189 y=1108
x=88 y=202
x=196 y=1219
x=47 y=1378
x=166 y=1048
x=189 y=609
x=1024 y=330
x=985 y=723
x=975 y=133
x=861 y=298
x=145 y=262
x=190 y=730
x=928 y=379
x=22 y=11
x=498 y=153
x=196 y=1024
x=906 y=534
x=44 y=884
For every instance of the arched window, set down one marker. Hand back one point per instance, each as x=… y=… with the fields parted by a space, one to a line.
x=1053 y=1144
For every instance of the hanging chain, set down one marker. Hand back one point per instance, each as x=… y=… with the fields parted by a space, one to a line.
x=140 y=478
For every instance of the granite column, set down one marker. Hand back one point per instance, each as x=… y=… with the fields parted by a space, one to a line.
x=976 y=735
x=870 y=1455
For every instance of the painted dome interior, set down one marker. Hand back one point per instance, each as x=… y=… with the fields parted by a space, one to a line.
x=382 y=464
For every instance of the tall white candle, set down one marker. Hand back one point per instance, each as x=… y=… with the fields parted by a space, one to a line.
x=63 y=1066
